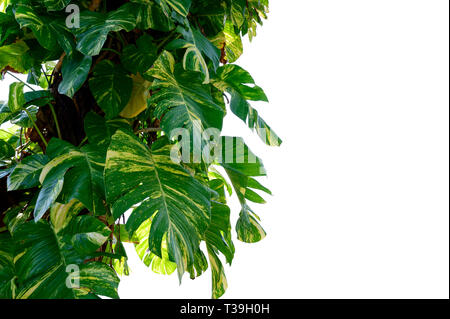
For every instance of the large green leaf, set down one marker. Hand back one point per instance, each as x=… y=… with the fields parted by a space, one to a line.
x=75 y=70
x=181 y=100
x=154 y=186
x=95 y=27
x=80 y=170
x=111 y=87
x=46 y=253
x=50 y=31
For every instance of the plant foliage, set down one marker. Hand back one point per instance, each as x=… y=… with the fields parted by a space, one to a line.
x=86 y=155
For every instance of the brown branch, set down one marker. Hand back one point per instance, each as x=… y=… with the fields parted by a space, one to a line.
x=95 y=4
x=149 y=130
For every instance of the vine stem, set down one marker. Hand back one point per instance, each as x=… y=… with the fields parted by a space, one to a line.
x=56 y=120
x=28 y=113
x=36 y=127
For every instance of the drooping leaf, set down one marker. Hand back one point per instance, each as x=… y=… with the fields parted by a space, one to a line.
x=154 y=186
x=75 y=71
x=241 y=166
x=218 y=238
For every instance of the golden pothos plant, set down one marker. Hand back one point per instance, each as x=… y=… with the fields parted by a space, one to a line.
x=87 y=144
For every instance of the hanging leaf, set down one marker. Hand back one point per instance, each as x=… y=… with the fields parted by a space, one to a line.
x=241 y=167
x=156 y=187
x=75 y=70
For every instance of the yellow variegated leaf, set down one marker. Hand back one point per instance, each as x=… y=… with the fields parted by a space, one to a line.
x=139 y=97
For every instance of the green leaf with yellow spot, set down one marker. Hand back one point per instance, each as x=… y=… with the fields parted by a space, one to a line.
x=150 y=184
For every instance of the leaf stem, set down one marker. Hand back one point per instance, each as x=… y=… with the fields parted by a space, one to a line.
x=56 y=120
x=26 y=84
x=111 y=50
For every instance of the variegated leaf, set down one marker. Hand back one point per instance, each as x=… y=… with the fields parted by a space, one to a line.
x=181 y=100
x=26 y=173
x=241 y=167
x=80 y=170
x=151 y=184
x=179 y=6
x=95 y=27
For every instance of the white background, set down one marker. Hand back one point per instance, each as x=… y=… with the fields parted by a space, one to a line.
x=359 y=92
